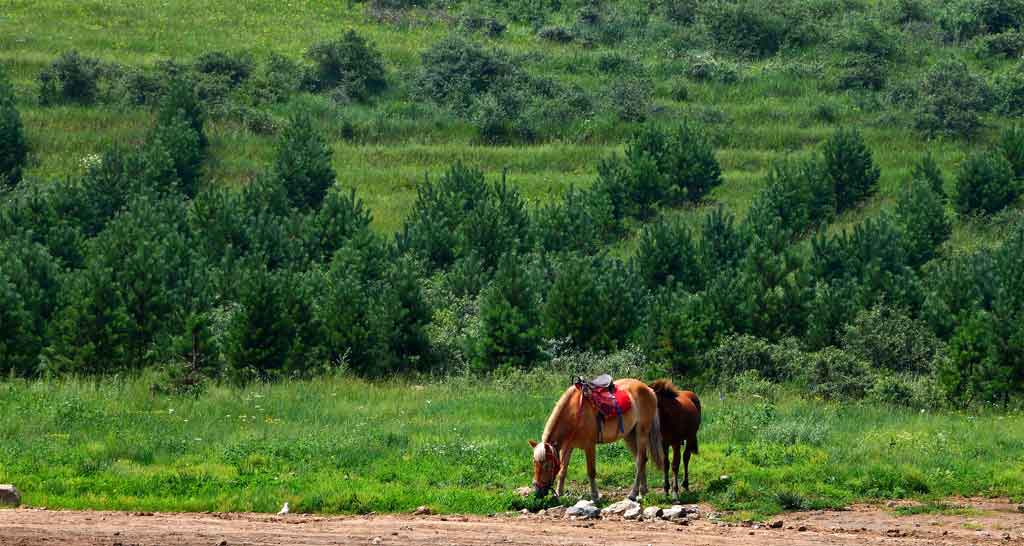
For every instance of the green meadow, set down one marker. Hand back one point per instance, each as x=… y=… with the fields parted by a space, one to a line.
x=342 y=445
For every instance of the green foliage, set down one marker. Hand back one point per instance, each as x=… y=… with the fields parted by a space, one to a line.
x=556 y=34
x=71 y=78
x=456 y=71
x=303 y=163
x=510 y=330
x=921 y=213
x=667 y=255
x=684 y=156
x=461 y=217
x=1011 y=143
x=176 y=137
x=677 y=330
x=927 y=169
x=798 y=196
x=744 y=27
x=985 y=184
x=593 y=301
x=181 y=102
x=889 y=340
x=835 y=374
x=950 y=100
x=850 y=168
x=583 y=221
x=965 y=19
x=1007 y=45
x=350 y=64
x=29 y=284
x=737 y=354
x=630 y=98
x=13 y=144
x=235 y=66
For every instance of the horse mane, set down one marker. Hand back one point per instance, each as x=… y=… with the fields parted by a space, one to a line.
x=664 y=387
x=549 y=427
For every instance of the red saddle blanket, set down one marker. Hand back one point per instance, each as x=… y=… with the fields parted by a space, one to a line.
x=605 y=401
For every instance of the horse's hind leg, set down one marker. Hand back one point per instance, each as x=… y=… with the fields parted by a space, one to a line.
x=591 y=453
x=675 y=466
x=665 y=448
x=640 y=455
x=686 y=468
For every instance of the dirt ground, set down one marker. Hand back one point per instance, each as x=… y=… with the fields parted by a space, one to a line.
x=989 y=522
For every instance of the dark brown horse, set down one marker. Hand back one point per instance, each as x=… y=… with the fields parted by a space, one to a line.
x=680 y=418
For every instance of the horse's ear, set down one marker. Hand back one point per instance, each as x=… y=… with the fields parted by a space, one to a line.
x=533 y=444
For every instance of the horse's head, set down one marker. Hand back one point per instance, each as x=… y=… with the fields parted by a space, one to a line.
x=546 y=465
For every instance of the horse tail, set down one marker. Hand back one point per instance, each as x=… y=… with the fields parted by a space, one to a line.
x=654 y=441
x=691 y=442
x=664 y=388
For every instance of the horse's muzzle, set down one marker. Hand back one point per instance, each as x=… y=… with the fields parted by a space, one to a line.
x=541 y=492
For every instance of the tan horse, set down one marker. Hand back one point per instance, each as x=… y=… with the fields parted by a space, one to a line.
x=679 y=411
x=567 y=429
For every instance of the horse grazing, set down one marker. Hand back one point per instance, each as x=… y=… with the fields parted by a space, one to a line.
x=680 y=418
x=575 y=422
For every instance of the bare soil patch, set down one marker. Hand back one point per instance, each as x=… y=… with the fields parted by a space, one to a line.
x=987 y=521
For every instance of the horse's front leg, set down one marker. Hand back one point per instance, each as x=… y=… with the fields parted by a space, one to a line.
x=565 y=456
x=640 y=480
x=591 y=453
x=665 y=448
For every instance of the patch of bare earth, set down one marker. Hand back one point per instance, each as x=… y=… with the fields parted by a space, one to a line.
x=989 y=522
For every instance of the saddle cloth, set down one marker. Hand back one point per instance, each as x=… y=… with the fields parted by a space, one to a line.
x=607 y=400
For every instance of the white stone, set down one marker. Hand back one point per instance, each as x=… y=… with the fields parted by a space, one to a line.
x=652 y=512
x=621 y=507
x=632 y=513
x=583 y=509
x=675 y=512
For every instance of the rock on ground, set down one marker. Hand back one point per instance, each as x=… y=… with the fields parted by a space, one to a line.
x=9 y=495
x=652 y=512
x=621 y=507
x=583 y=509
x=632 y=513
x=524 y=491
x=679 y=511
x=423 y=511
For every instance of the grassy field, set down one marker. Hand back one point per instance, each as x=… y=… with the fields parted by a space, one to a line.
x=348 y=446
x=773 y=110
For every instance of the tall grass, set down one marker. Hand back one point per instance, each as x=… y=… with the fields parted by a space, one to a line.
x=459 y=445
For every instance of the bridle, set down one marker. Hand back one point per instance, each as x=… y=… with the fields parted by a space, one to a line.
x=551 y=463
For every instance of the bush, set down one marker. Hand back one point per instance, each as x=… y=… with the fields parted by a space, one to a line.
x=684 y=157
x=706 y=67
x=1005 y=45
x=303 y=163
x=861 y=71
x=927 y=169
x=510 y=333
x=667 y=256
x=889 y=340
x=583 y=221
x=745 y=28
x=557 y=34
x=181 y=102
x=350 y=64
x=985 y=184
x=965 y=19
x=29 y=285
x=456 y=71
x=950 y=100
x=850 y=168
x=71 y=78
x=677 y=330
x=922 y=215
x=275 y=81
x=683 y=12
x=631 y=98
x=1011 y=143
x=592 y=301
x=835 y=374
x=906 y=390
x=181 y=143
x=738 y=354
x=235 y=67
x=797 y=197
x=13 y=144
x=473 y=20
x=1008 y=91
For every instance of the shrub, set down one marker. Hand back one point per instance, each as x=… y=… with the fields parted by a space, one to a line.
x=738 y=354
x=274 y=81
x=29 y=284
x=667 y=256
x=341 y=217
x=473 y=20
x=557 y=34
x=303 y=163
x=861 y=71
x=181 y=101
x=889 y=340
x=850 y=168
x=510 y=333
x=1006 y=45
x=950 y=100
x=181 y=143
x=985 y=184
x=236 y=67
x=706 y=67
x=964 y=19
x=745 y=28
x=677 y=330
x=1011 y=144
x=13 y=144
x=835 y=374
x=927 y=169
x=721 y=245
x=684 y=157
x=583 y=221
x=593 y=301
x=683 y=12
x=71 y=78
x=1008 y=91
x=630 y=98
x=349 y=63
x=456 y=71
x=798 y=196
x=922 y=215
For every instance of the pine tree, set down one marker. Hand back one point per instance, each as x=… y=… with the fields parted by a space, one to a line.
x=303 y=163
x=510 y=333
x=13 y=144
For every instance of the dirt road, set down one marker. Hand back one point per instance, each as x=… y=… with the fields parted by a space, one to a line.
x=989 y=522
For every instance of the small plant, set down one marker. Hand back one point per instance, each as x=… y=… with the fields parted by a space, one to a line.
x=556 y=34
x=744 y=28
x=71 y=78
x=236 y=67
x=922 y=213
x=349 y=63
x=13 y=144
x=850 y=168
x=630 y=98
x=950 y=100
x=985 y=184
x=303 y=163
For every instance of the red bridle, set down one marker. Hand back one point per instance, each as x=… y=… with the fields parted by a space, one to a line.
x=552 y=463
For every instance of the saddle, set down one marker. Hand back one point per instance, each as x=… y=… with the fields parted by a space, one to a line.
x=606 y=399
